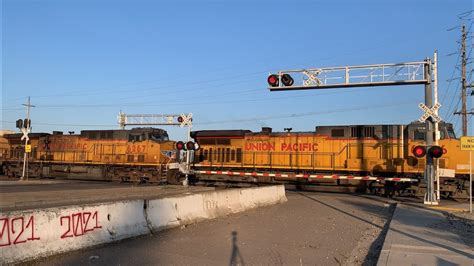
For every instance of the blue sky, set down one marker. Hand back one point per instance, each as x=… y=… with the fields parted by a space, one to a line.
x=84 y=61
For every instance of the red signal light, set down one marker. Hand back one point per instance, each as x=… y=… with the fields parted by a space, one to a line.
x=273 y=80
x=436 y=151
x=180 y=119
x=179 y=145
x=419 y=151
x=287 y=80
x=189 y=146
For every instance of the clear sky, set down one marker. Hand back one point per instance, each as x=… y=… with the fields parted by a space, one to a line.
x=84 y=61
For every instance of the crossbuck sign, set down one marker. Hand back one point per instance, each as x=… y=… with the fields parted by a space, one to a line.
x=429 y=112
x=187 y=120
x=25 y=132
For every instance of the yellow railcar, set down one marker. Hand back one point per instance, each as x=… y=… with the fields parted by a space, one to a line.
x=138 y=154
x=332 y=152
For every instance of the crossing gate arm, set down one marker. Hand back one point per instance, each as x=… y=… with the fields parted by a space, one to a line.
x=310 y=177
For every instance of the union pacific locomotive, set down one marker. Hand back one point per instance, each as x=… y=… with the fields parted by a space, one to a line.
x=374 y=157
x=367 y=156
x=139 y=154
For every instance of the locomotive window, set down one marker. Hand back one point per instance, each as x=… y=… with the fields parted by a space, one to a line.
x=451 y=134
x=442 y=135
x=134 y=138
x=158 y=137
x=232 y=155
x=130 y=158
x=92 y=135
x=227 y=159
x=337 y=132
x=418 y=134
x=239 y=155
x=141 y=158
x=103 y=134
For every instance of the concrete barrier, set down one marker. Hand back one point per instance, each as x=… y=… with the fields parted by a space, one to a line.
x=31 y=234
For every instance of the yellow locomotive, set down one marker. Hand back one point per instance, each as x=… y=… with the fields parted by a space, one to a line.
x=337 y=154
x=139 y=154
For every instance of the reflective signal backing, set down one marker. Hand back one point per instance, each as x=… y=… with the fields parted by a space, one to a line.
x=419 y=151
x=287 y=80
x=435 y=151
x=273 y=80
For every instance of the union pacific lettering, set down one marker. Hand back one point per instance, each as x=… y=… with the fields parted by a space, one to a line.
x=66 y=146
x=283 y=147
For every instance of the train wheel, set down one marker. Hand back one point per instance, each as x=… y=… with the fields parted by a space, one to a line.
x=172 y=177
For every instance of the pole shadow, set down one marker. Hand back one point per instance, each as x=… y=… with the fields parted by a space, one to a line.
x=236 y=257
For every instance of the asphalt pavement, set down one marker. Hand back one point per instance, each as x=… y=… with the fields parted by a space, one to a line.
x=311 y=228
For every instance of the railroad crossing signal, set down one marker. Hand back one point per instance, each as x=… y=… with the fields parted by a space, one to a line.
x=186 y=120
x=429 y=112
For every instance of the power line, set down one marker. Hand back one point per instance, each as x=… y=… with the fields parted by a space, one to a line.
x=356 y=108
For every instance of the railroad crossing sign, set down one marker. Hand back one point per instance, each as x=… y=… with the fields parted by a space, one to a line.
x=467 y=143
x=429 y=112
x=25 y=134
x=187 y=120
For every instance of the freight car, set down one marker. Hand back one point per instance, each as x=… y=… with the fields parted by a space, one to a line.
x=377 y=157
x=139 y=154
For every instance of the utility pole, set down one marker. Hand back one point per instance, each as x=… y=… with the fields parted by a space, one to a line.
x=464 y=84
x=26 y=130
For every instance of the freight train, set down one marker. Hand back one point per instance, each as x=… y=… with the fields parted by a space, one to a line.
x=139 y=154
x=374 y=157
x=366 y=157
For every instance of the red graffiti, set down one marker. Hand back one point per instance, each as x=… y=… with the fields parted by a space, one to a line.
x=79 y=223
x=16 y=231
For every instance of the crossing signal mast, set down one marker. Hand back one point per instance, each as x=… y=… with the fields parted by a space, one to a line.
x=411 y=73
x=181 y=120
